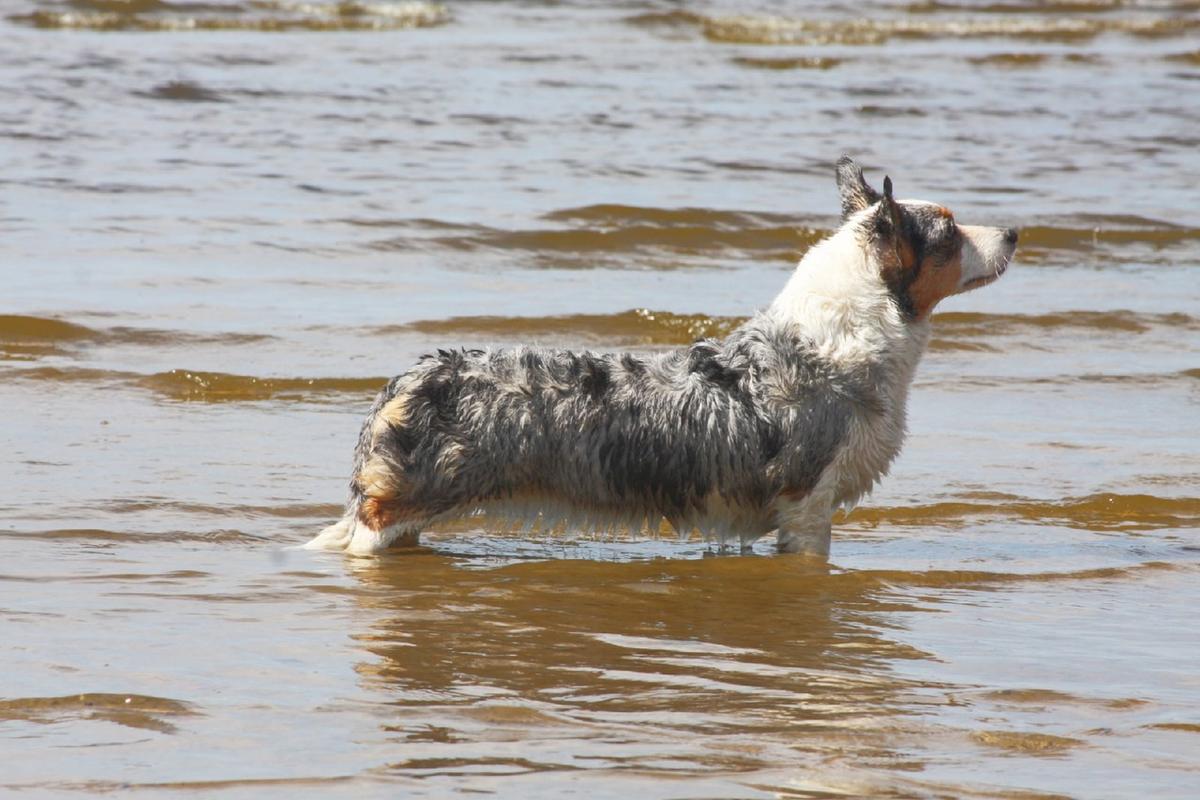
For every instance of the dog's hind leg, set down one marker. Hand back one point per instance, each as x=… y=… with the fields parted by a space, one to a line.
x=805 y=525
x=812 y=540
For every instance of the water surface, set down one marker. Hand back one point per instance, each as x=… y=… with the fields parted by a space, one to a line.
x=226 y=223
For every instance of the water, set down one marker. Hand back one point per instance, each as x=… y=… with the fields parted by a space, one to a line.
x=224 y=224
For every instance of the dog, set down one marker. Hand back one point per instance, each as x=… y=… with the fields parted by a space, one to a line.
x=798 y=412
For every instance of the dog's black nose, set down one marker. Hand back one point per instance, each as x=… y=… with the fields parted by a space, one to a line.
x=1010 y=235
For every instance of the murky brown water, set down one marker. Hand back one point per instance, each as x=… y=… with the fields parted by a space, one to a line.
x=224 y=224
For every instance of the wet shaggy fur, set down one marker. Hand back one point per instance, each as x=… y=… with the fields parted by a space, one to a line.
x=799 y=410
x=624 y=436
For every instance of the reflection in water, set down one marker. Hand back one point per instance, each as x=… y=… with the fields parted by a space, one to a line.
x=690 y=666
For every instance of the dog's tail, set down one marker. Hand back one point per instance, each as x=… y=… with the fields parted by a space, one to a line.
x=339 y=535
x=334 y=537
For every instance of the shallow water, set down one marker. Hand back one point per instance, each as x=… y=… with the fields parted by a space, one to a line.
x=226 y=223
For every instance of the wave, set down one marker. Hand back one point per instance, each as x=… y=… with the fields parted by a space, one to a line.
x=598 y=230
x=157 y=505
x=965 y=323
x=1053 y=7
x=1096 y=512
x=1013 y=60
x=1191 y=59
x=141 y=537
x=612 y=228
x=801 y=62
x=216 y=387
x=182 y=91
x=21 y=328
x=767 y=30
x=142 y=712
x=31 y=338
x=24 y=337
x=207 y=387
x=639 y=326
x=258 y=15
x=642 y=326
x=1106 y=230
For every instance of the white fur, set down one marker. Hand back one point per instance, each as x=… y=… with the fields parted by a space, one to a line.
x=837 y=299
x=985 y=255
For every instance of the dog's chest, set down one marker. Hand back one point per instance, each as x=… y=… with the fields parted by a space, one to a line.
x=874 y=437
x=872 y=443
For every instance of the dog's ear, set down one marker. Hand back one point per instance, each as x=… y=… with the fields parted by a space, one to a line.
x=856 y=193
x=887 y=221
x=890 y=234
x=889 y=209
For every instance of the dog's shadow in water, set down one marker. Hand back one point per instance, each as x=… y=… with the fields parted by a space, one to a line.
x=768 y=642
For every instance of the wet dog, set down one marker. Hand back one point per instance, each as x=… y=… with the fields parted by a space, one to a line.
x=797 y=412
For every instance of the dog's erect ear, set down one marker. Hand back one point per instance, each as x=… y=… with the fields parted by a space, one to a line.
x=887 y=220
x=856 y=194
x=889 y=206
x=889 y=232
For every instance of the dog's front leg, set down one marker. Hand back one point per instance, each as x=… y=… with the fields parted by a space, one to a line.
x=805 y=525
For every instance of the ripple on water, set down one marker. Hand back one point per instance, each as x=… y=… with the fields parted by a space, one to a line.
x=1027 y=743
x=638 y=327
x=800 y=62
x=793 y=31
x=601 y=234
x=182 y=91
x=208 y=387
x=606 y=232
x=261 y=15
x=1097 y=512
x=129 y=710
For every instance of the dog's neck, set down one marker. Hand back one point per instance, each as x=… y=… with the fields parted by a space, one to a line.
x=837 y=300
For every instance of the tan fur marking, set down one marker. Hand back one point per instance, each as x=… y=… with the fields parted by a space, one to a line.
x=378 y=479
x=945 y=212
x=934 y=283
x=378 y=514
x=394 y=413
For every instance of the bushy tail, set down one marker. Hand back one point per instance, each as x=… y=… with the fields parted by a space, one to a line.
x=339 y=535
x=335 y=537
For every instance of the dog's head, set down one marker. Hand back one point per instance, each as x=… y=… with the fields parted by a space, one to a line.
x=922 y=254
